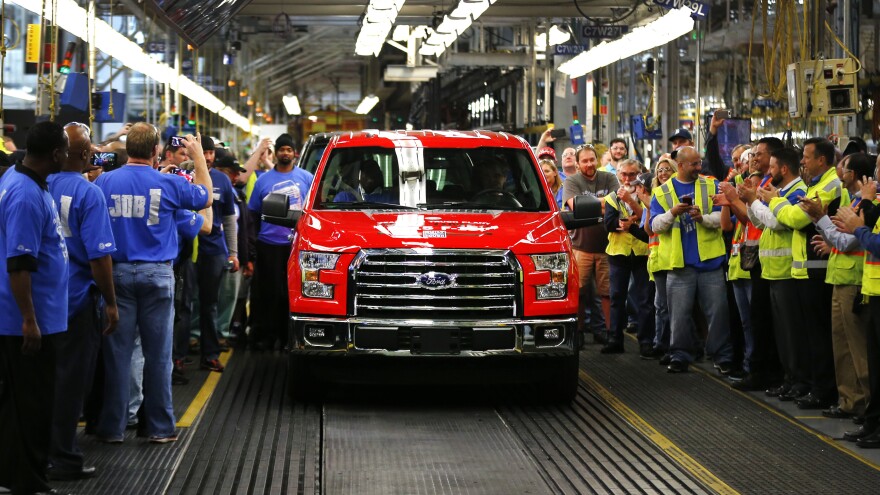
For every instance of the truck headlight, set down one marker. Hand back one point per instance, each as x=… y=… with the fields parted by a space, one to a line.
x=557 y=265
x=311 y=263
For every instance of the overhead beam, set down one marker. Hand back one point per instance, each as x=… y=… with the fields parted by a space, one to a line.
x=286 y=49
x=294 y=63
x=322 y=9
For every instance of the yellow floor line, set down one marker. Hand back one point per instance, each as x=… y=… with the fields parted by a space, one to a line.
x=201 y=398
x=687 y=462
x=810 y=417
x=821 y=436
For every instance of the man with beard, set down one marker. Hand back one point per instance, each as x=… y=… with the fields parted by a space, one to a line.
x=617 y=148
x=628 y=257
x=589 y=243
x=270 y=305
x=775 y=256
x=809 y=269
x=689 y=224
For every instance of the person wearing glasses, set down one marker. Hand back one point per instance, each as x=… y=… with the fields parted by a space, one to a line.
x=628 y=258
x=617 y=153
x=692 y=249
x=569 y=164
x=589 y=243
x=666 y=168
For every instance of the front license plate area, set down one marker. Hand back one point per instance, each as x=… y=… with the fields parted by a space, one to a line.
x=436 y=341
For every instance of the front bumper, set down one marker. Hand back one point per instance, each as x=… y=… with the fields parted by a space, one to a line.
x=466 y=338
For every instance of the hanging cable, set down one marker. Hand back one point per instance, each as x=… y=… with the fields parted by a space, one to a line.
x=54 y=54
x=845 y=49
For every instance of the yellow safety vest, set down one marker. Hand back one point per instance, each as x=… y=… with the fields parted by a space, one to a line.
x=871 y=272
x=734 y=269
x=623 y=243
x=845 y=268
x=710 y=244
x=774 y=248
x=827 y=189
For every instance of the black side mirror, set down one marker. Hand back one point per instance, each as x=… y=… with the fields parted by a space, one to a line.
x=276 y=210
x=587 y=211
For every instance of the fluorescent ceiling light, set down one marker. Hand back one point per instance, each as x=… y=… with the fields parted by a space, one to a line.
x=557 y=37
x=19 y=94
x=671 y=26
x=74 y=19
x=400 y=33
x=453 y=26
x=291 y=104
x=367 y=104
x=378 y=20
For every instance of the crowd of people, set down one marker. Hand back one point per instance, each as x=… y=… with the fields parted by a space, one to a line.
x=115 y=282
x=768 y=268
x=113 y=279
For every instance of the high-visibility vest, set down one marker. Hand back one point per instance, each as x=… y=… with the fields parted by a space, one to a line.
x=827 y=189
x=845 y=267
x=746 y=234
x=710 y=244
x=775 y=245
x=653 y=254
x=871 y=270
x=623 y=243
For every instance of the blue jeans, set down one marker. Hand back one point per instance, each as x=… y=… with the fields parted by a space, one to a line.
x=661 y=312
x=683 y=287
x=145 y=296
x=623 y=269
x=210 y=270
x=742 y=291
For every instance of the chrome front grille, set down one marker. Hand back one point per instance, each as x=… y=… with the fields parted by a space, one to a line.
x=395 y=284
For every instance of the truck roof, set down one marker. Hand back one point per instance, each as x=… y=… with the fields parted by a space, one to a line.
x=429 y=139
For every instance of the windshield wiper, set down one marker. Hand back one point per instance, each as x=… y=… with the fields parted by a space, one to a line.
x=466 y=205
x=367 y=205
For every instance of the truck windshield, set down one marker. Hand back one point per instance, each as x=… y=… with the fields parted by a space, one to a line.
x=443 y=178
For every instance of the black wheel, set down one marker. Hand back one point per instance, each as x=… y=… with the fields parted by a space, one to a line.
x=562 y=380
x=301 y=382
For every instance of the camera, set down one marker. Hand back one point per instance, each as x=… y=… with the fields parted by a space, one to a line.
x=176 y=141
x=722 y=114
x=107 y=161
x=688 y=200
x=557 y=133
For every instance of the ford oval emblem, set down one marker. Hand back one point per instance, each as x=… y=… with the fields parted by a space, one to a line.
x=435 y=280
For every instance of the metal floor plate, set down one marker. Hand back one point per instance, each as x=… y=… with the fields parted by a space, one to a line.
x=749 y=447
x=401 y=450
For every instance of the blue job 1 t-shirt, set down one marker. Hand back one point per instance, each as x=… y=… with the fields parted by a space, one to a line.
x=85 y=225
x=29 y=225
x=142 y=203
x=295 y=184
x=689 y=229
x=223 y=205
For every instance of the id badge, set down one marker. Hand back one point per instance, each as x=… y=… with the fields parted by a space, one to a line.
x=734 y=250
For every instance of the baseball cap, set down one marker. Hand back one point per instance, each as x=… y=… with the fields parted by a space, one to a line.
x=682 y=133
x=207 y=144
x=229 y=162
x=547 y=151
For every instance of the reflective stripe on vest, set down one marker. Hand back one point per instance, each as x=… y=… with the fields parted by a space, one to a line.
x=768 y=253
x=811 y=264
x=871 y=270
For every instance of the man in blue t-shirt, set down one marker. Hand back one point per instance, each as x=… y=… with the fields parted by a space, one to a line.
x=218 y=252
x=143 y=204
x=85 y=225
x=269 y=299
x=33 y=302
x=702 y=276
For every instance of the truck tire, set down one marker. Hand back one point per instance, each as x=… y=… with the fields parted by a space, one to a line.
x=301 y=382
x=562 y=380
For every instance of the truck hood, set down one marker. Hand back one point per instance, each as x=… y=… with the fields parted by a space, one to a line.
x=350 y=231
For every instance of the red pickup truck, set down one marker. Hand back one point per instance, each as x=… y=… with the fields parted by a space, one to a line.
x=432 y=243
